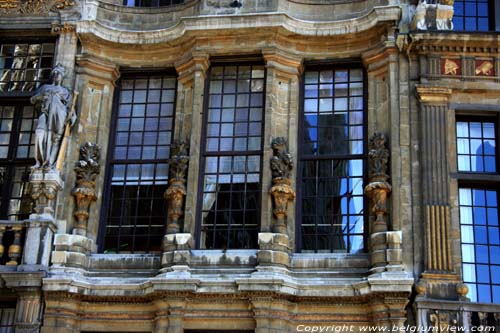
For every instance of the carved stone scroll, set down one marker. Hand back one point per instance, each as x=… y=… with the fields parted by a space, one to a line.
x=378 y=188
x=282 y=191
x=176 y=191
x=87 y=169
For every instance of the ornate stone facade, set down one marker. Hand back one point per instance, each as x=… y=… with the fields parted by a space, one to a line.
x=415 y=81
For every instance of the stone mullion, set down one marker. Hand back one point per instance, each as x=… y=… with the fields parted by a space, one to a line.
x=191 y=89
x=281 y=120
x=435 y=173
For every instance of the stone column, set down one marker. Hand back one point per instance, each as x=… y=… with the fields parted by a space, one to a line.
x=435 y=190
x=271 y=315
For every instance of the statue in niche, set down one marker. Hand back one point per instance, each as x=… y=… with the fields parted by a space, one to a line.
x=56 y=112
x=282 y=161
x=378 y=155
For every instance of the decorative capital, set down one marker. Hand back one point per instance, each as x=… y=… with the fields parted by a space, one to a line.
x=433 y=95
x=59 y=29
x=288 y=65
x=196 y=62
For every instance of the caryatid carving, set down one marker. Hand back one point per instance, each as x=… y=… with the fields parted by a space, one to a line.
x=282 y=191
x=378 y=189
x=87 y=169
x=176 y=191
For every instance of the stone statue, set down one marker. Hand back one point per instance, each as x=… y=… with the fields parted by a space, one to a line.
x=282 y=161
x=378 y=155
x=54 y=103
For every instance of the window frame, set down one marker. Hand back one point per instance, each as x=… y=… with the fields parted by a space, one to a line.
x=481 y=180
x=491 y=15
x=216 y=62
x=110 y=160
x=330 y=65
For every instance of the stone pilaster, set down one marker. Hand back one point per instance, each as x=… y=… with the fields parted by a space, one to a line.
x=28 y=311
x=271 y=315
x=66 y=50
x=280 y=120
x=438 y=271
x=95 y=81
x=190 y=91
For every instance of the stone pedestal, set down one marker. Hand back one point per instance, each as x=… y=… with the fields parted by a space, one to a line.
x=274 y=250
x=72 y=251
x=176 y=255
x=45 y=185
x=38 y=243
x=385 y=251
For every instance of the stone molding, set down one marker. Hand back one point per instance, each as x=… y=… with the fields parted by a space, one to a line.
x=192 y=63
x=289 y=66
x=433 y=95
x=185 y=25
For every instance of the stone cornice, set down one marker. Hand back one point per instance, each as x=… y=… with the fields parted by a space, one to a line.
x=433 y=95
x=454 y=43
x=220 y=22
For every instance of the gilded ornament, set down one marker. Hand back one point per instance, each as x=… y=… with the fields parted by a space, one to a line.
x=450 y=67
x=33 y=7
x=462 y=289
x=485 y=68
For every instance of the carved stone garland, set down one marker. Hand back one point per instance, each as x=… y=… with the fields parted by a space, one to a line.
x=176 y=191
x=378 y=188
x=87 y=169
x=282 y=191
x=29 y=7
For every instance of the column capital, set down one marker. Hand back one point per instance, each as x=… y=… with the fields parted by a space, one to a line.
x=286 y=64
x=433 y=95
x=59 y=29
x=97 y=68
x=189 y=65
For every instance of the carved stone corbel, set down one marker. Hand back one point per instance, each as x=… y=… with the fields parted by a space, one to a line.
x=282 y=191
x=378 y=189
x=87 y=169
x=44 y=188
x=176 y=191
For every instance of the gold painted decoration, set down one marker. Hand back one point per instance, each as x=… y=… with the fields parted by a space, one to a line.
x=33 y=7
x=484 y=68
x=450 y=67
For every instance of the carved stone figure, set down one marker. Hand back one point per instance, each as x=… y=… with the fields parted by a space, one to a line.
x=33 y=6
x=87 y=169
x=282 y=191
x=378 y=155
x=281 y=162
x=443 y=321
x=54 y=104
x=378 y=188
x=176 y=191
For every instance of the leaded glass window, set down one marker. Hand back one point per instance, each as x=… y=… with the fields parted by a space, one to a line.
x=151 y=3
x=332 y=160
x=17 y=127
x=477 y=161
x=138 y=170
x=232 y=157
x=25 y=66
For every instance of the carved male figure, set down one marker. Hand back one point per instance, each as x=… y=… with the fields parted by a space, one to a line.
x=54 y=103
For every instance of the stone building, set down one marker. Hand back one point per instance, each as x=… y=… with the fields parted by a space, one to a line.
x=250 y=166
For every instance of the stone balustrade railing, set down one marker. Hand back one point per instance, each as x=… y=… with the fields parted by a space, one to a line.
x=11 y=242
